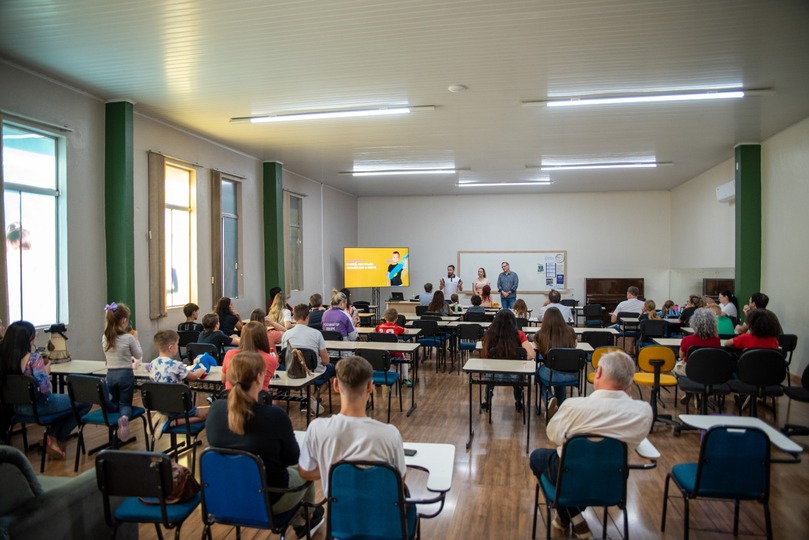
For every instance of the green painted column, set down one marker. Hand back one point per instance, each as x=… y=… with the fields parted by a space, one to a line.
x=119 y=203
x=273 y=226
x=748 y=221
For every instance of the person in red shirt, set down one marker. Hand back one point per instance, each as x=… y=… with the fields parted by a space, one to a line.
x=390 y=327
x=706 y=333
x=762 y=333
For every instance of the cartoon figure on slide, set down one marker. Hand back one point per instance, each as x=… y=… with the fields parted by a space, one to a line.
x=395 y=269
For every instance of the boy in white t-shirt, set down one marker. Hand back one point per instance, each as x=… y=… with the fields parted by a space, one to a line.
x=165 y=369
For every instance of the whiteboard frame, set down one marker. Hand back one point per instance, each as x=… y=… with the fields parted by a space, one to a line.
x=505 y=257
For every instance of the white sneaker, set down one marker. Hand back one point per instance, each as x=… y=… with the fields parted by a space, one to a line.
x=315 y=407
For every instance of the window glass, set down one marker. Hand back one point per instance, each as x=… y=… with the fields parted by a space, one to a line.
x=228 y=197
x=230 y=253
x=178 y=236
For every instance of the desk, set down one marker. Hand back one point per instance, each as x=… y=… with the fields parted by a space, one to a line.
x=668 y=342
x=582 y=346
x=686 y=330
x=74 y=367
x=781 y=441
x=408 y=333
x=578 y=329
x=444 y=318
x=281 y=381
x=485 y=366
x=403 y=347
x=438 y=460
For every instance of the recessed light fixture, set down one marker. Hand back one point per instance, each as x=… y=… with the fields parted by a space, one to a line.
x=394 y=172
x=337 y=113
x=498 y=184
x=600 y=165
x=456 y=88
x=646 y=98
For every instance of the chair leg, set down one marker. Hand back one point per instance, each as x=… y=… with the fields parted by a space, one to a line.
x=665 y=503
x=390 y=391
x=686 y=525
x=604 y=525
x=626 y=523
x=767 y=519
x=159 y=532
x=79 y=445
x=42 y=451
x=536 y=507
x=736 y=517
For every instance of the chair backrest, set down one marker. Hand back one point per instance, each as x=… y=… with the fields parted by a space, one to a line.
x=167 y=397
x=734 y=463
x=188 y=336
x=601 y=351
x=805 y=378
x=382 y=337
x=569 y=302
x=421 y=310
x=428 y=328
x=656 y=352
x=401 y=320
x=469 y=332
x=592 y=311
x=652 y=328
x=366 y=500
x=761 y=367
x=710 y=366
x=362 y=306
x=788 y=344
x=598 y=339
x=585 y=457
x=627 y=315
x=563 y=359
x=332 y=335
x=19 y=390
x=87 y=389
x=379 y=360
x=195 y=349
x=521 y=322
x=133 y=474
x=476 y=317
x=234 y=488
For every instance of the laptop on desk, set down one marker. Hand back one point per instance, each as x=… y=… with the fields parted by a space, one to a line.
x=397 y=297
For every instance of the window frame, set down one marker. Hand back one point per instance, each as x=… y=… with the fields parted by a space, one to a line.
x=296 y=283
x=223 y=216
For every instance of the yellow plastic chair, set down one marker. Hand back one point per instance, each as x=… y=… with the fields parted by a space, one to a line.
x=596 y=357
x=655 y=363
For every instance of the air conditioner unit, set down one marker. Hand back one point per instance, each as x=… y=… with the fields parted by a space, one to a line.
x=726 y=192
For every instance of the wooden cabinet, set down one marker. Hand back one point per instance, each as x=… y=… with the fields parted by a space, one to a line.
x=609 y=292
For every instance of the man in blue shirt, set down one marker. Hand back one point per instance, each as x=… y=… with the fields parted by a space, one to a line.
x=507 y=283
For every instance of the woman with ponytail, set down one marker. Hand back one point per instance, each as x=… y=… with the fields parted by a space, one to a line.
x=242 y=422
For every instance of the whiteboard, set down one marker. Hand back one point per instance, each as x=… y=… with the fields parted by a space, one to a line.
x=538 y=271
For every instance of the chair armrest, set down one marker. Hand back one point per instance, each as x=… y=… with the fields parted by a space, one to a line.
x=648 y=451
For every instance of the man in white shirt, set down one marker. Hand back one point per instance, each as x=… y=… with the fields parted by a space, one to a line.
x=554 y=299
x=303 y=336
x=451 y=284
x=609 y=412
x=349 y=434
x=630 y=305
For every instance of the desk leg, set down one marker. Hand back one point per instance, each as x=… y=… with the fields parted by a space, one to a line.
x=528 y=421
x=413 y=388
x=308 y=403
x=471 y=433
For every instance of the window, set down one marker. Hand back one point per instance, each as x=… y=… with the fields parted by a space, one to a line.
x=34 y=211
x=293 y=265
x=230 y=239
x=178 y=183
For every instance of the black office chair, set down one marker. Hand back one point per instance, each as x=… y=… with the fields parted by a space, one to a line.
x=707 y=372
x=569 y=302
x=650 y=329
x=401 y=320
x=186 y=337
x=760 y=373
x=421 y=310
x=569 y=360
x=788 y=344
x=598 y=339
x=477 y=317
x=797 y=394
x=592 y=315
x=522 y=322
x=195 y=349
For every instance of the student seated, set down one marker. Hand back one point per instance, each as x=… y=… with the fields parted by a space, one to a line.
x=454 y=304
x=763 y=329
x=303 y=336
x=166 y=369
x=723 y=322
x=316 y=310
x=254 y=339
x=390 y=327
x=427 y=296
x=475 y=307
x=274 y=330
x=438 y=306
x=758 y=300
x=212 y=334
x=191 y=311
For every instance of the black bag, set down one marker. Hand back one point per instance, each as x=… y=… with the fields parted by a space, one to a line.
x=296 y=364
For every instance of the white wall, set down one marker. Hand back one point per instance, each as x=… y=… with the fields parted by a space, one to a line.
x=605 y=234
x=702 y=232
x=785 y=221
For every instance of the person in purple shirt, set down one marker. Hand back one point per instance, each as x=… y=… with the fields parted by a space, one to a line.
x=337 y=320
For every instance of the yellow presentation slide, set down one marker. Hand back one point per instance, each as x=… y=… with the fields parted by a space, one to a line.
x=376 y=267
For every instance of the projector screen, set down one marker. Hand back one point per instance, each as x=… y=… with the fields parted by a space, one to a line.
x=376 y=267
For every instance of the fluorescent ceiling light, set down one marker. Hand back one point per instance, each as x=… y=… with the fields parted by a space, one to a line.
x=603 y=165
x=395 y=172
x=646 y=98
x=498 y=184
x=340 y=113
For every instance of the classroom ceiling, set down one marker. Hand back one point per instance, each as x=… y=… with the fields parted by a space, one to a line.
x=198 y=63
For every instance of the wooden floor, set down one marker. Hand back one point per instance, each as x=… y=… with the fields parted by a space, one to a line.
x=493 y=489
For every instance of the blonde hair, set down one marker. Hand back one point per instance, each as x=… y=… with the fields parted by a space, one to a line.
x=279 y=304
x=114 y=317
x=244 y=370
x=337 y=297
x=651 y=309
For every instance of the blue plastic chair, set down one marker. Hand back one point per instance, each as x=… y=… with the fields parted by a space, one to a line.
x=235 y=492
x=382 y=376
x=140 y=474
x=430 y=337
x=93 y=390
x=734 y=463
x=592 y=472
x=367 y=500
x=178 y=401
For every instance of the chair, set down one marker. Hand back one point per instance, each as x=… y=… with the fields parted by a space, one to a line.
x=628 y=328
x=477 y=317
x=140 y=474
x=235 y=492
x=380 y=362
x=21 y=390
x=186 y=337
x=734 y=463
x=383 y=337
x=596 y=358
x=430 y=337
x=585 y=457
x=788 y=344
x=569 y=302
x=797 y=394
x=332 y=335
x=421 y=310
x=367 y=500
x=760 y=373
x=650 y=329
x=174 y=400
x=592 y=314
x=707 y=372
x=567 y=360
x=93 y=391
x=522 y=322
x=598 y=339
x=401 y=320
x=192 y=350
x=655 y=362
x=468 y=337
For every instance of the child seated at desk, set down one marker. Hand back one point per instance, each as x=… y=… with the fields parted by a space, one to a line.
x=165 y=369
x=455 y=305
x=390 y=327
x=191 y=312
